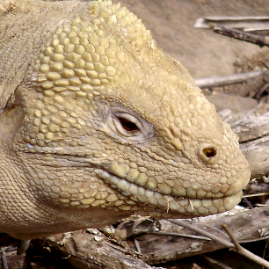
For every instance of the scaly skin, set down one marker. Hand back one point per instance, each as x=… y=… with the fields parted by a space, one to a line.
x=97 y=123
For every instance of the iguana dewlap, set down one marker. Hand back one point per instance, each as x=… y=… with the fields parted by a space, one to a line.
x=98 y=123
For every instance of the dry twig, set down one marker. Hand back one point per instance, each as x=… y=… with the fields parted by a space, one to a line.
x=234 y=246
x=241 y=35
x=226 y=80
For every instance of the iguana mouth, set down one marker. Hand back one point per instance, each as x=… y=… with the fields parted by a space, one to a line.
x=154 y=200
x=166 y=203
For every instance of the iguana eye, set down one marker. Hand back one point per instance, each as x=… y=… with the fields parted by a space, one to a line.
x=126 y=124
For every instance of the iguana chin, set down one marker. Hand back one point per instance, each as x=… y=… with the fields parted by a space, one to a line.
x=98 y=123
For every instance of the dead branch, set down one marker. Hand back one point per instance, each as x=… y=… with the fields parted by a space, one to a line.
x=239 y=249
x=234 y=246
x=248 y=23
x=241 y=35
x=226 y=80
x=87 y=249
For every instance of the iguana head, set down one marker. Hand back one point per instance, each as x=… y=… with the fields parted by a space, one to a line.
x=112 y=124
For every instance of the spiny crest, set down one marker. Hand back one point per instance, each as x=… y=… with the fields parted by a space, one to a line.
x=116 y=18
x=6 y=5
x=84 y=55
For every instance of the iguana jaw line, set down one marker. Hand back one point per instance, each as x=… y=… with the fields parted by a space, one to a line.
x=161 y=203
x=152 y=201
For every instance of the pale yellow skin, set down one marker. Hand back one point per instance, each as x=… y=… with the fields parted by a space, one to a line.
x=97 y=123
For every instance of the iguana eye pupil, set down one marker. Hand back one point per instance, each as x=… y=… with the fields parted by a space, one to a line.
x=128 y=125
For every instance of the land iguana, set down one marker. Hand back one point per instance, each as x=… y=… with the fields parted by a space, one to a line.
x=97 y=123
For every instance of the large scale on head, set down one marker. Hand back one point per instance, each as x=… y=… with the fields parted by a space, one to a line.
x=113 y=126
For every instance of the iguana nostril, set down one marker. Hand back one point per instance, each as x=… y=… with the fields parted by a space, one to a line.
x=210 y=152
